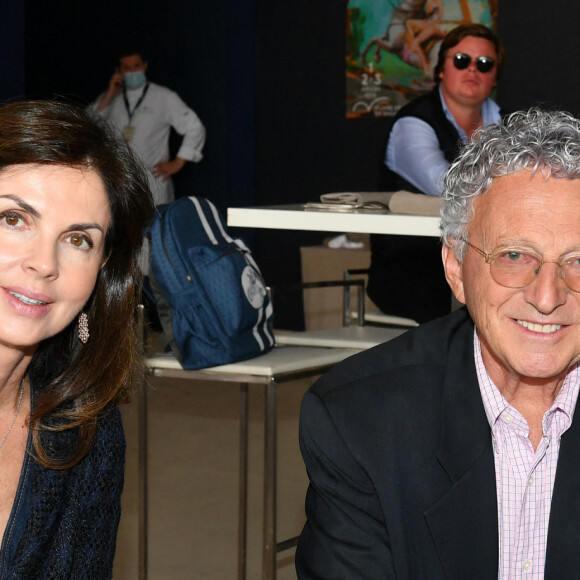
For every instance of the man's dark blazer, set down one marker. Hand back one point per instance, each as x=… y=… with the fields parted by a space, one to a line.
x=398 y=450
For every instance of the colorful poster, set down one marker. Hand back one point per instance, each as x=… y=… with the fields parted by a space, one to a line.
x=392 y=48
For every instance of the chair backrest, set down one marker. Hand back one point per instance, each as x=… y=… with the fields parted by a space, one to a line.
x=373 y=317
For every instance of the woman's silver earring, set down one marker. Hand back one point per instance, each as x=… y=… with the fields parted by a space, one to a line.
x=83 y=328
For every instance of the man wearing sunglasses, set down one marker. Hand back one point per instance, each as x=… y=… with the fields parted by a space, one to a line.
x=424 y=140
x=426 y=133
x=453 y=451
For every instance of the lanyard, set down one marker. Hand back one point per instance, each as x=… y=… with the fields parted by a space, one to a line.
x=126 y=101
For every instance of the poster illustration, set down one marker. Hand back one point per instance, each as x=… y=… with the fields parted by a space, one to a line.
x=392 y=48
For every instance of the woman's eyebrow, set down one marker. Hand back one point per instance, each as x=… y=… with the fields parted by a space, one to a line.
x=89 y=226
x=25 y=206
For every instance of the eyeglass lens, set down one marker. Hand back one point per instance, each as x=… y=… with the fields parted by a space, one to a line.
x=516 y=270
x=483 y=64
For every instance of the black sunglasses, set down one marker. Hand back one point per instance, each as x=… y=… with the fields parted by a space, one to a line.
x=483 y=63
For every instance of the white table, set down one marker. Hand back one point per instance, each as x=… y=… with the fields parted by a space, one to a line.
x=359 y=337
x=296 y=217
x=280 y=365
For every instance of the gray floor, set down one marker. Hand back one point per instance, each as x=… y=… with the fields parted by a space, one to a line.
x=193 y=461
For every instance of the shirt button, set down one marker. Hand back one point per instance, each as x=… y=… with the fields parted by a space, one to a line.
x=527 y=566
x=531 y=480
x=507 y=419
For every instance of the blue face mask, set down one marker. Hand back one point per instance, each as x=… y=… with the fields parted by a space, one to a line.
x=135 y=79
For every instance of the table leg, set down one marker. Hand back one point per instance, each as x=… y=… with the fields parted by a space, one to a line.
x=142 y=489
x=243 y=484
x=270 y=436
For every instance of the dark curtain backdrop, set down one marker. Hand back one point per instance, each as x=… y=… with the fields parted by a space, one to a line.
x=542 y=54
x=267 y=80
x=71 y=47
x=12 y=54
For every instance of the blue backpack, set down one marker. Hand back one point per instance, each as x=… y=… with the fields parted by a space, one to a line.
x=219 y=310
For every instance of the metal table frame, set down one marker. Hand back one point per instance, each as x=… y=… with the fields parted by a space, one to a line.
x=305 y=362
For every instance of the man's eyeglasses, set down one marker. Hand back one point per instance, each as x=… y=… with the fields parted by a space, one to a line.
x=516 y=269
x=461 y=61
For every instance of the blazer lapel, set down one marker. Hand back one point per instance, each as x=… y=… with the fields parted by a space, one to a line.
x=463 y=523
x=563 y=547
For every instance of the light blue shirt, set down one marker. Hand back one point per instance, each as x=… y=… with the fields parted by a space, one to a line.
x=413 y=150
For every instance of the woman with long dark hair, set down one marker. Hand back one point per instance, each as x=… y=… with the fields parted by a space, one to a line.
x=73 y=207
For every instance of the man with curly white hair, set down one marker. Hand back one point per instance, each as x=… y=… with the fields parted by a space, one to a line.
x=452 y=451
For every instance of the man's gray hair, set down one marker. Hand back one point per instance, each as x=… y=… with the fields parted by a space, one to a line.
x=537 y=140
